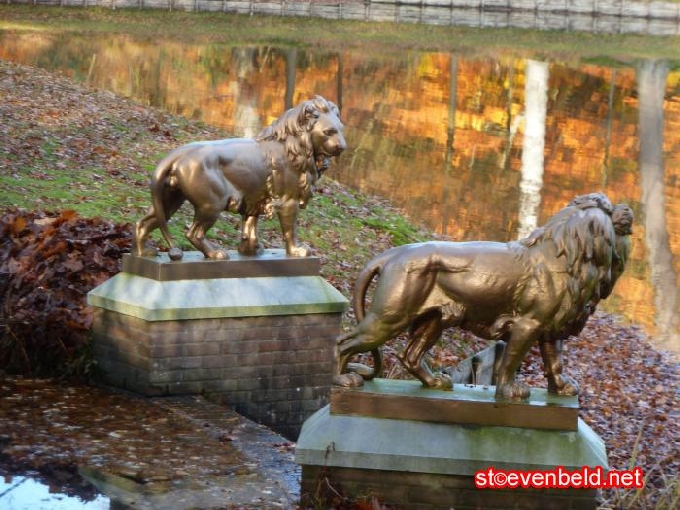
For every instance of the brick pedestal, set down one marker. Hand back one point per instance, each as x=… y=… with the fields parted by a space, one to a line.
x=260 y=340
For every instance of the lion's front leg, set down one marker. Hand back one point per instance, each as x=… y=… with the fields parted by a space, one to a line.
x=523 y=335
x=558 y=383
x=288 y=213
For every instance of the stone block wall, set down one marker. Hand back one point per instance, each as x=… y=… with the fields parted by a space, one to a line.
x=273 y=369
x=427 y=491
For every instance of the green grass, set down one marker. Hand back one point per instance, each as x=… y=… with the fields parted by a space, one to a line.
x=295 y=31
x=71 y=190
x=400 y=230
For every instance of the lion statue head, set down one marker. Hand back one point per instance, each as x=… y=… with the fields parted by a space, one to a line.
x=295 y=129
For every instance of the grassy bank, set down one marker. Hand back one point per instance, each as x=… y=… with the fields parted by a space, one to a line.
x=387 y=37
x=96 y=157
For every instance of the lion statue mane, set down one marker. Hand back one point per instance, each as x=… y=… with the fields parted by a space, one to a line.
x=539 y=289
x=271 y=173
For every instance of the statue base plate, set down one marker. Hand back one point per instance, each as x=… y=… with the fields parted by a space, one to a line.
x=194 y=266
x=157 y=289
x=408 y=400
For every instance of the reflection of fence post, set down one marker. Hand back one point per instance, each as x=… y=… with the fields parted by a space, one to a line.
x=340 y=69
x=608 y=137
x=450 y=141
x=652 y=76
x=533 y=145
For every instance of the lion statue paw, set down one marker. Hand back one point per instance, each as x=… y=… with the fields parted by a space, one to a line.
x=563 y=385
x=442 y=382
x=220 y=255
x=513 y=391
x=348 y=380
x=298 y=251
x=175 y=254
x=250 y=247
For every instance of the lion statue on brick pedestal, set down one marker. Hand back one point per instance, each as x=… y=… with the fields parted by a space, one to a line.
x=272 y=173
x=539 y=289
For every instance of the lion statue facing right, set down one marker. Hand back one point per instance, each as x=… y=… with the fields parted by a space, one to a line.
x=539 y=289
x=271 y=173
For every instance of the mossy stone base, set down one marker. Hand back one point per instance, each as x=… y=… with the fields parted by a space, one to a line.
x=416 y=464
x=465 y=403
x=155 y=300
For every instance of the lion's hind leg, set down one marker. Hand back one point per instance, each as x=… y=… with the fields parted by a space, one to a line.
x=369 y=335
x=424 y=332
x=172 y=201
x=205 y=216
x=345 y=375
x=558 y=383
x=143 y=228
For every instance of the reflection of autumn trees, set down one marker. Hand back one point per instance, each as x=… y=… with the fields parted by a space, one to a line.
x=439 y=134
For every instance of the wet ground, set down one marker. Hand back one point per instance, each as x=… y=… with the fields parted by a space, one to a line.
x=173 y=453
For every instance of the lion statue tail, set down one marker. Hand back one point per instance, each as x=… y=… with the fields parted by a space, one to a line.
x=361 y=286
x=162 y=177
x=364 y=280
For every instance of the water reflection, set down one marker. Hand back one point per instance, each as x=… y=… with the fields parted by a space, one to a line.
x=533 y=146
x=474 y=147
x=652 y=77
x=24 y=493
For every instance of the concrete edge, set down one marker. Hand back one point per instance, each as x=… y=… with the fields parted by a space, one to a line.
x=154 y=300
x=405 y=445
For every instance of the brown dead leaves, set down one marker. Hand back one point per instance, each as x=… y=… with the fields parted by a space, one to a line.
x=48 y=263
x=629 y=396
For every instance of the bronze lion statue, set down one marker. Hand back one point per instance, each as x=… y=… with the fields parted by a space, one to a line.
x=539 y=289
x=273 y=172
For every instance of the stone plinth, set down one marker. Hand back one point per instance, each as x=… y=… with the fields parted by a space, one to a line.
x=466 y=404
x=261 y=343
x=413 y=463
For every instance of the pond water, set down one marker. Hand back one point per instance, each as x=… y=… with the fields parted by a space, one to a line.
x=26 y=493
x=470 y=146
